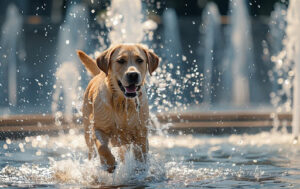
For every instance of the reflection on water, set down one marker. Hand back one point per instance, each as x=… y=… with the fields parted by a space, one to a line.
x=265 y=159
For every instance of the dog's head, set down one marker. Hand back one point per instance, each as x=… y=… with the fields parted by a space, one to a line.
x=126 y=66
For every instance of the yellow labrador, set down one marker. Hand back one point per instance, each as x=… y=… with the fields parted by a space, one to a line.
x=115 y=107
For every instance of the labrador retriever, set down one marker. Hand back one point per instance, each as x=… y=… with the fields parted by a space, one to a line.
x=115 y=105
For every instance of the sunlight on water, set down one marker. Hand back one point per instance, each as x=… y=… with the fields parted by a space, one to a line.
x=173 y=161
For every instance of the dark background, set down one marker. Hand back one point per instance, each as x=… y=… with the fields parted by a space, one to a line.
x=183 y=7
x=41 y=51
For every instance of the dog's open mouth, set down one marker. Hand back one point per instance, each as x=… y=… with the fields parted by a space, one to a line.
x=129 y=91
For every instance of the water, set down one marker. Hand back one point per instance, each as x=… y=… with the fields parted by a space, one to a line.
x=239 y=55
x=172 y=43
x=9 y=46
x=127 y=23
x=211 y=29
x=73 y=35
x=261 y=160
x=67 y=92
x=176 y=83
x=293 y=54
x=286 y=68
x=277 y=26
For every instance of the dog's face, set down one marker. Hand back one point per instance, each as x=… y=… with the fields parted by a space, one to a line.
x=126 y=65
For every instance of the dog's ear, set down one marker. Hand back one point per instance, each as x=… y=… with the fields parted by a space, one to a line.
x=152 y=60
x=103 y=61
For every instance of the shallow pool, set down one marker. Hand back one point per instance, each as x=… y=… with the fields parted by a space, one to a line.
x=175 y=161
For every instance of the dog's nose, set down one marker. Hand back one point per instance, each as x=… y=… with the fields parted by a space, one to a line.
x=132 y=77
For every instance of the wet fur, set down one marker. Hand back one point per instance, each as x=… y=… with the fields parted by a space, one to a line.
x=107 y=115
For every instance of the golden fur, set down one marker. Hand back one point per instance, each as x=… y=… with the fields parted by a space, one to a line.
x=109 y=116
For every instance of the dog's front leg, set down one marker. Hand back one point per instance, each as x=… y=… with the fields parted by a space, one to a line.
x=122 y=151
x=88 y=133
x=141 y=148
x=105 y=154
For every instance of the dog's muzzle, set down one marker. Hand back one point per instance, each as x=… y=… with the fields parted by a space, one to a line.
x=129 y=91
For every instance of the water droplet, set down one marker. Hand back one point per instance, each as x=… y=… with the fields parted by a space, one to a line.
x=8 y=141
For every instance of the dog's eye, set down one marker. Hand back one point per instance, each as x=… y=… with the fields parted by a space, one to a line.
x=121 y=61
x=139 y=60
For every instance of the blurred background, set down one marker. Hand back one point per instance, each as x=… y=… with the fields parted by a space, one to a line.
x=196 y=35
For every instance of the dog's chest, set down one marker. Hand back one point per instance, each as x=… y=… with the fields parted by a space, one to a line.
x=129 y=116
x=128 y=127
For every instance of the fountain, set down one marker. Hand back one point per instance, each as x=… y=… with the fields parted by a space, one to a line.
x=67 y=89
x=292 y=47
x=211 y=29
x=120 y=21
x=73 y=35
x=238 y=60
x=264 y=159
x=287 y=67
x=277 y=27
x=9 y=46
x=172 y=46
x=171 y=69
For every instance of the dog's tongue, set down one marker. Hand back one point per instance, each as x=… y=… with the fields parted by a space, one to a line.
x=131 y=89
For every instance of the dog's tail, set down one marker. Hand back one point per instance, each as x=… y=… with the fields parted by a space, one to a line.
x=89 y=63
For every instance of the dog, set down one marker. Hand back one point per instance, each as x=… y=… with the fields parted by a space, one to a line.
x=115 y=105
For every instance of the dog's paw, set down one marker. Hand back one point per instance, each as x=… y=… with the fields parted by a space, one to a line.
x=92 y=155
x=111 y=169
x=139 y=170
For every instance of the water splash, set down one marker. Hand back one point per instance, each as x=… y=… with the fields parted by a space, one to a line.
x=174 y=161
x=125 y=20
x=67 y=90
x=175 y=84
x=73 y=167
